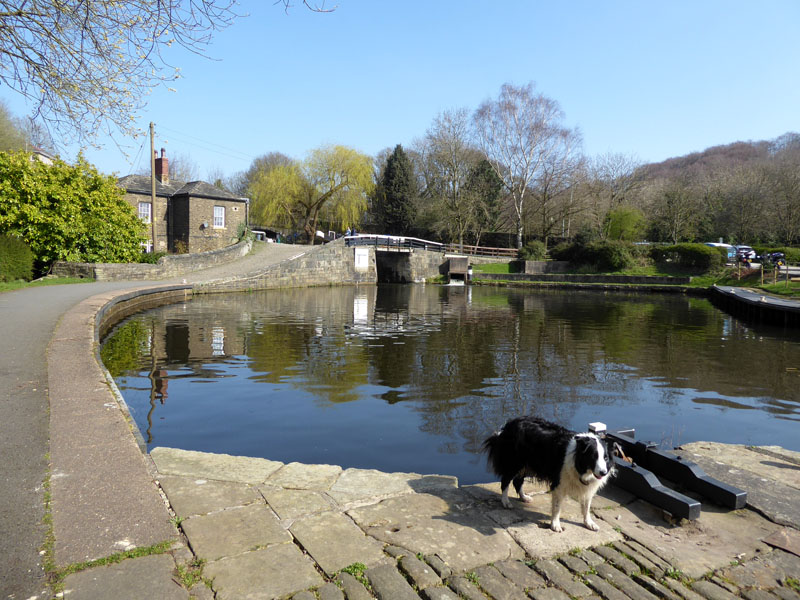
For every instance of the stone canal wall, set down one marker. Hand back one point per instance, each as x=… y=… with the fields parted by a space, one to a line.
x=592 y=279
x=331 y=264
x=123 y=305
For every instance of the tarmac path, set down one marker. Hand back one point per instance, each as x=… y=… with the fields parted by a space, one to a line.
x=28 y=318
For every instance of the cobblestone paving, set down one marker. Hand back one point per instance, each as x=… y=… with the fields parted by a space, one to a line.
x=614 y=572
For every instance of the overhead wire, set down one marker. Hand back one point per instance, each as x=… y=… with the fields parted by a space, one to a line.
x=137 y=158
x=207 y=145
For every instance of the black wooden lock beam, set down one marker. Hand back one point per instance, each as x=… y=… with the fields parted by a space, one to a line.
x=675 y=469
x=646 y=486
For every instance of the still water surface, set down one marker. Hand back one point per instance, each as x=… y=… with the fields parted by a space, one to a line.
x=413 y=378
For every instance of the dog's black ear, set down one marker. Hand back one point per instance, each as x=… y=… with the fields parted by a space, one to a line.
x=584 y=446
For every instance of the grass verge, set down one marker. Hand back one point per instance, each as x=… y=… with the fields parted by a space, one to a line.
x=729 y=276
x=7 y=286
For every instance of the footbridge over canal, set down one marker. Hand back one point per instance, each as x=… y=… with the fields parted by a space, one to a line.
x=360 y=259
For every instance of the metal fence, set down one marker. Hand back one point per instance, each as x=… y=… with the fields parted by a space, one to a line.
x=404 y=242
x=392 y=241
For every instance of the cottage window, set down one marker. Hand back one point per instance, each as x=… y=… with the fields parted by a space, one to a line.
x=219 y=216
x=145 y=211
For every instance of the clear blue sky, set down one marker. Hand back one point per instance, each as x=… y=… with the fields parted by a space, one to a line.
x=648 y=79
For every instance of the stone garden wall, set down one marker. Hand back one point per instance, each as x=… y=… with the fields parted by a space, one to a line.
x=167 y=266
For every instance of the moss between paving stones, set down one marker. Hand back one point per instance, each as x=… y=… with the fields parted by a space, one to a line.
x=58 y=575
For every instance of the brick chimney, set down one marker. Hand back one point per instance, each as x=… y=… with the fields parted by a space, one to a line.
x=162 y=167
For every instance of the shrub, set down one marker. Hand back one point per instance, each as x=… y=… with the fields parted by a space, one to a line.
x=698 y=257
x=67 y=211
x=150 y=258
x=566 y=251
x=533 y=250
x=792 y=254
x=641 y=253
x=610 y=255
x=16 y=259
x=722 y=251
x=243 y=232
x=607 y=255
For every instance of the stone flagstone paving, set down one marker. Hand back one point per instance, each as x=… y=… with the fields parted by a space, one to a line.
x=269 y=530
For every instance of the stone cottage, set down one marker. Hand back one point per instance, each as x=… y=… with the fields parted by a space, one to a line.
x=187 y=217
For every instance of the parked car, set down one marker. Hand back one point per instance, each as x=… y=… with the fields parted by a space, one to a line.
x=745 y=254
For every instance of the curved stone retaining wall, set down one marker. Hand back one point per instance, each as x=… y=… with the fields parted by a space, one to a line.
x=123 y=305
x=167 y=266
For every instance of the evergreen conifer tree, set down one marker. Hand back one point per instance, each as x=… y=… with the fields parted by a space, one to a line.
x=485 y=189
x=396 y=193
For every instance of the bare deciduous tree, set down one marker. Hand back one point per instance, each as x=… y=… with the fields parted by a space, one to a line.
x=675 y=211
x=744 y=204
x=87 y=66
x=515 y=133
x=784 y=187
x=557 y=175
x=448 y=158
x=615 y=177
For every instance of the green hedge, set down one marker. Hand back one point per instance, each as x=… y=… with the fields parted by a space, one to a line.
x=16 y=259
x=151 y=258
x=792 y=254
x=689 y=256
x=608 y=255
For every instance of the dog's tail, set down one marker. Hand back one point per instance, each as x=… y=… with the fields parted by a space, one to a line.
x=495 y=447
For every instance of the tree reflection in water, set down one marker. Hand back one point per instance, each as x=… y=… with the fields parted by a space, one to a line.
x=413 y=378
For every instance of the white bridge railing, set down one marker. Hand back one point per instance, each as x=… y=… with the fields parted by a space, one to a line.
x=405 y=242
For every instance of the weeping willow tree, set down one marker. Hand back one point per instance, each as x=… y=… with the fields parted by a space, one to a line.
x=332 y=184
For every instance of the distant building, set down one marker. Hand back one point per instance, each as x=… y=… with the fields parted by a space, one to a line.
x=187 y=217
x=42 y=156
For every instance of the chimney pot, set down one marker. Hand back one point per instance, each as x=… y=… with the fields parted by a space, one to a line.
x=162 y=167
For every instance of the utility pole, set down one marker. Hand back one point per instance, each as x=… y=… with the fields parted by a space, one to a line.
x=153 y=184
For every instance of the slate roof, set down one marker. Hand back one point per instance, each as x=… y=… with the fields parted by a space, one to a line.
x=206 y=190
x=140 y=184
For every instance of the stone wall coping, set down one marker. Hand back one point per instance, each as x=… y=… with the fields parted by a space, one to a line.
x=167 y=266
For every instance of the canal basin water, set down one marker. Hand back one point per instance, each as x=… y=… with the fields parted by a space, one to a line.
x=413 y=378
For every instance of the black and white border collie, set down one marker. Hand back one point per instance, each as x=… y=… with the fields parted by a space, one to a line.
x=573 y=464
